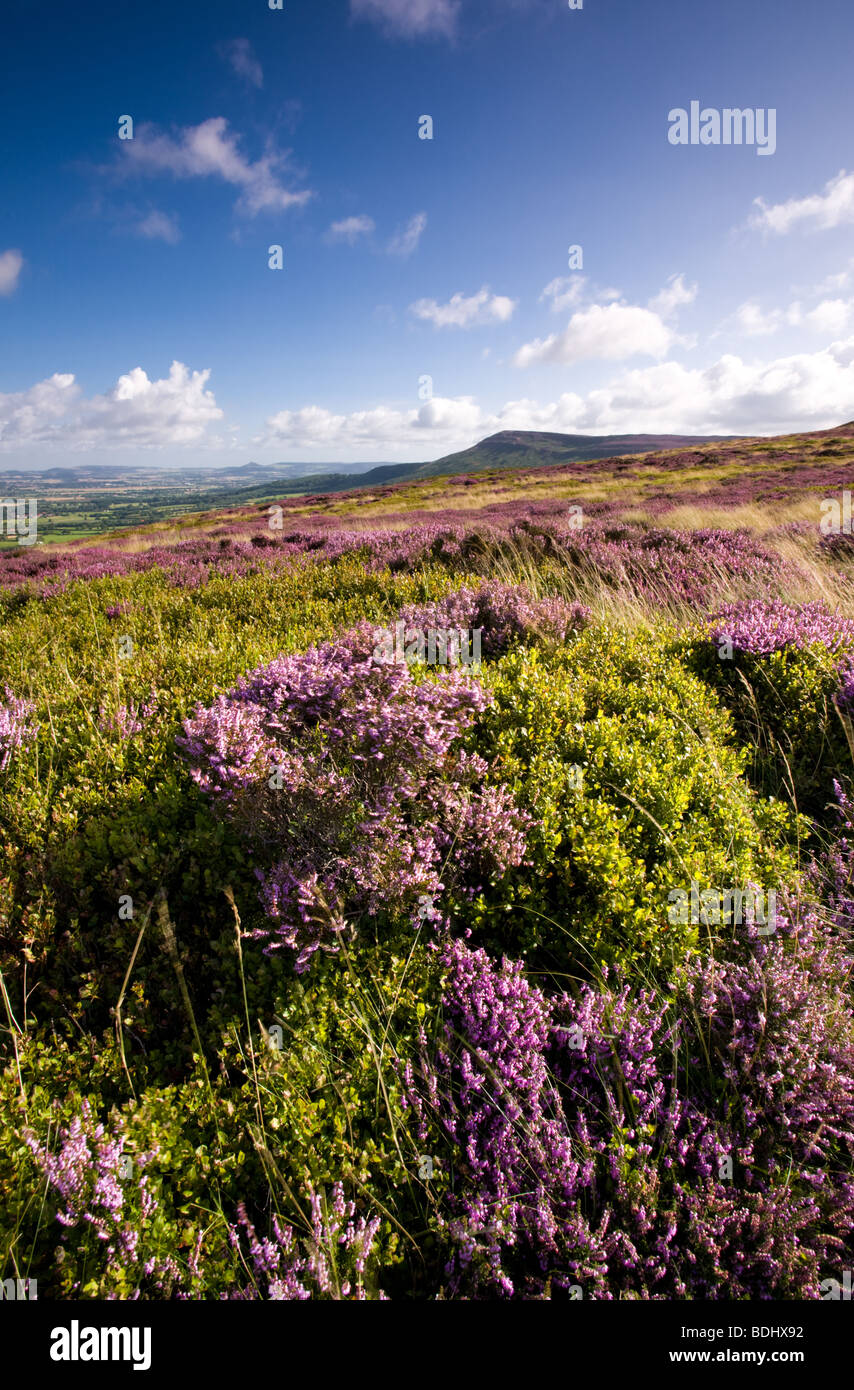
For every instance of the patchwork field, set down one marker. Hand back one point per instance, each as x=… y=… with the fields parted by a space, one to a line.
x=329 y=975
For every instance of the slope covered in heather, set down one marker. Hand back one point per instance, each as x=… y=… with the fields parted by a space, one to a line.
x=419 y=893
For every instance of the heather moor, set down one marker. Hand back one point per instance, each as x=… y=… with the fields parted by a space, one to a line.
x=338 y=968
x=426 y=661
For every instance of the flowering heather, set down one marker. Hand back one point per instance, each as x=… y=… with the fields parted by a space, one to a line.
x=678 y=1125
x=845 y=694
x=660 y=565
x=330 y=1266
x=596 y=1134
x=16 y=728
x=504 y=612
x=344 y=773
x=127 y=721
x=832 y=874
x=85 y=1174
x=761 y=627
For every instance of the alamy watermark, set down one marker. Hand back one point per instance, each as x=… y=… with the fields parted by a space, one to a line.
x=715 y=907
x=833 y=1290
x=730 y=126
x=76 y=1343
x=18 y=1290
x=20 y=519
x=433 y=647
x=836 y=516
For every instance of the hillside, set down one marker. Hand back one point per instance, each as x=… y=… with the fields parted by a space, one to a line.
x=309 y=947
x=517 y=448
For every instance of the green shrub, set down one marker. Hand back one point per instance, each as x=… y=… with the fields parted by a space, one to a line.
x=783 y=713
x=630 y=767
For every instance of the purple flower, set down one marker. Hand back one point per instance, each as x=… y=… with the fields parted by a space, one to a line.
x=285 y=1269
x=16 y=727
x=344 y=774
x=696 y=1143
x=761 y=627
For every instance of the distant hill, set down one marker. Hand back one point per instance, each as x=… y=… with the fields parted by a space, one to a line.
x=509 y=449
x=521 y=448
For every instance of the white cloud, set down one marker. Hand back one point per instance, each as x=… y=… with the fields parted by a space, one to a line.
x=602 y=331
x=830 y=317
x=351 y=229
x=462 y=312
x=612 y=330
x=672 y=297
x=818 y=212
x=804 y=391
x=11 y=265
x=159 y=226
x=375 y=430
x=136 y=412
x=753 y=321
x=840 y=281
x=211 y=150
x=564 y=292
x=409 y=18
x=241 y=56
x=730 y=396
x=406 y=241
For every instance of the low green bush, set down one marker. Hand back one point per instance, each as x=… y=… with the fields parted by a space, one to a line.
x=632 y=771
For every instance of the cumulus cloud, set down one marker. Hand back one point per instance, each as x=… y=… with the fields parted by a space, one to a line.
x=803 y=391
x=834 y=207
x=136 y=412
x=351 y=229
x=443 y=420
x=239 y=53
x=11 y=265
x=159 y=226
x=406 y=241
x=731 y=396
x=830 y=317
x=461 y=312
x=612 y=330
x=755 y=322
x=210 y=150
x=410 y=18
x=603 y=331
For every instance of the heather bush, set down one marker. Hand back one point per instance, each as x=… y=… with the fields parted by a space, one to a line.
x=505 y=613
x=103 y=816
x=777 y=669
x=98 y=1196
x=16 y=726
x=663 y=568
x=330 y=1264
x=626 y=1143
x=342 y=772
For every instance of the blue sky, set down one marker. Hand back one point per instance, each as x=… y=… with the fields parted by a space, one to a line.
x=140 y=320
